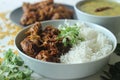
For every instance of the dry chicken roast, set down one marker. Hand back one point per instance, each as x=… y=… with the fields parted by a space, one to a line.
x=43 y=44
x=45 y=10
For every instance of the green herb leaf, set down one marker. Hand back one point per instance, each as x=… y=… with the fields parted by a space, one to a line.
x=70 y=34
x=10 y=68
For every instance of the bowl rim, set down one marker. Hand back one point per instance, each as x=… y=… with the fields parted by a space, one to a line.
x=52 y=63
x=20 y=7
x=92 y=15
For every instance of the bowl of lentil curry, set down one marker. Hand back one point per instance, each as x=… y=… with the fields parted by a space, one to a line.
x=101 y=7
x=102 y=12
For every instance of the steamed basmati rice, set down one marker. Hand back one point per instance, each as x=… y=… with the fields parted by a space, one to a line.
x=95 y=46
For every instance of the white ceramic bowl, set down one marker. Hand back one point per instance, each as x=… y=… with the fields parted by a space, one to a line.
x=110 y=22
x=60 y=70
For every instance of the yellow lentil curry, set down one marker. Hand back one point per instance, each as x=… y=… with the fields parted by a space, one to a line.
x=101 y=7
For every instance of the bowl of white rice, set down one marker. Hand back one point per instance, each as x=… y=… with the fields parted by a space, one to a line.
x=84 y=58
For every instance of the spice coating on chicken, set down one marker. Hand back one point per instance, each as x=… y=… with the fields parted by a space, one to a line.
x=36 y=29
x=45 y=10
x=43 y=44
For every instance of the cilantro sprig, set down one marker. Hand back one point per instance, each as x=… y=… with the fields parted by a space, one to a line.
x=70 y=34
x=13 y=68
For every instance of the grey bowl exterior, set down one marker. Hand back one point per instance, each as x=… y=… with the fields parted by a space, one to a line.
x=16 y=14
x=110 y=22
x=60 y=70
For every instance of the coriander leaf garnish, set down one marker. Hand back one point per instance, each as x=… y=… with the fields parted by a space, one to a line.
x=10 y=68
x=69 y=34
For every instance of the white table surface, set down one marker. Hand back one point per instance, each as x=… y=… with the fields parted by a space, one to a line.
x=8 y=5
